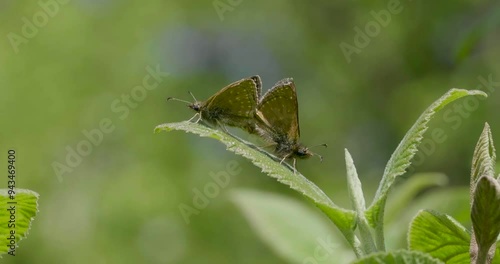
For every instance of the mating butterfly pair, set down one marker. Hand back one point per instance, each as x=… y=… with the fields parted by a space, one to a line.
x=273 y=116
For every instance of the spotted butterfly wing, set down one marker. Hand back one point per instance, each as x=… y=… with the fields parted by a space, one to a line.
x=234 y=105
x=239 y=98
x=278 y=111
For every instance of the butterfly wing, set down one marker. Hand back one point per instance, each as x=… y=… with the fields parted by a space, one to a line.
x=238 y=98
x=278 y=111
x=258 y=84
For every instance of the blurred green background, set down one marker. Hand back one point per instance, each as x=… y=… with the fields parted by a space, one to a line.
x=69 y=70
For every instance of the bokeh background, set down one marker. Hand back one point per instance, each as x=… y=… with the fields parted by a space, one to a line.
x=120 y=204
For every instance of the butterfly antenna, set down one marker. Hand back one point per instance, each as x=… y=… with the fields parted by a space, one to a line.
x=316 y=154
x=319 y=156
x=192 y=95
x=176 y=99
x=320 y=145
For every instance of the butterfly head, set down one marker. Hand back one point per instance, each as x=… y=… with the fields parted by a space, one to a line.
x=196 y=105
x=303 y=152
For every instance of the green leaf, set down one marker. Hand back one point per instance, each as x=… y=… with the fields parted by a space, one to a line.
x=485 y=218
x=482 y=246
x=294 y=231
x=440 y=236
x=401 y=158
x=496 y=259
x=26 y=208
x=342 y=218
x=354 y=185
x=484 y=158
x=398 y=257
x=358 y=203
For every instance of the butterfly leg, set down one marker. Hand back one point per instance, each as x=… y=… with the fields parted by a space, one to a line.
x=199 y=118
x=284 y=158
x=294 y=162
x=195 y=115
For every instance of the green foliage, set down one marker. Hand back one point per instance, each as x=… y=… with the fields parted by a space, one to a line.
x=291 y=229
x=342 y=218
x=444 y=238
x=398 y=257
x=358 y=203
x=89 y=55
x=486 y=218
x=354 y=185
x=440 y=236
x=26 y=208
x=485 y=196
x=484 y=158
x=401 y=159
x=426 y=228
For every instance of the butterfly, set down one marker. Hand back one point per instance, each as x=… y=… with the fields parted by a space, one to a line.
x=234 y=105
x=278 y=121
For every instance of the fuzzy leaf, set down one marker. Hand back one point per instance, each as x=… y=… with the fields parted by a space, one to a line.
x=485 y=217
x=293 y=230
x=398 y=257
x=484 y=159
x=342 y=218
x=401 y=158
x=358 y=203
x=440 y=236
x=354 y=185
x=26 y=208
x=483 y=164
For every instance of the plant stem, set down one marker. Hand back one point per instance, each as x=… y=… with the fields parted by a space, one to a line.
x=356 y=246
x=379 y=237
x=379 y=227
x=366 y=236
x=482 y=256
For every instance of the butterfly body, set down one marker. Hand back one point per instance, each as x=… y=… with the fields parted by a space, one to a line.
x=278 y=121
x=215 y=116
x=292 y=150
x=234 y=105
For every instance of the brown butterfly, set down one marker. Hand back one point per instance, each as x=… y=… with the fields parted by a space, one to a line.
x=235 y=105
x=278 y=121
